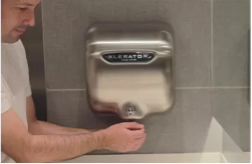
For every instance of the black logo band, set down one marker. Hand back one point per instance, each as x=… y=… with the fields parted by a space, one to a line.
x=122 y=57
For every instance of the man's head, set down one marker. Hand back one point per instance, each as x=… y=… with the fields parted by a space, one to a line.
x=17 y=15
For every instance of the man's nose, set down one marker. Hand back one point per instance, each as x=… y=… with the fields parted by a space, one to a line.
x=29 y=19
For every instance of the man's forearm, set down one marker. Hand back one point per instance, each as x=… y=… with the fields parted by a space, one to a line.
x=45 y=128
x=54 y=148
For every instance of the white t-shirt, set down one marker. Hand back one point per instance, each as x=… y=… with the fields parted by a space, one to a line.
x=14 y=82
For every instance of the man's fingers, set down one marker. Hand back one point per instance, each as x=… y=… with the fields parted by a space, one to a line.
x=139 y=143
x=139 y=133
x=133 y=125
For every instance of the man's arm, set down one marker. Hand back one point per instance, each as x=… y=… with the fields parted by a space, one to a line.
x=40 y=127
x=21 y=146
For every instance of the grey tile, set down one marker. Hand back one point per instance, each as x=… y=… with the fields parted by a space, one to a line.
x=64 y=26
x=183 y=129
x=231 y=42
x=64 y=68
x=65 y=22
x=71 y=109
x=232 y=110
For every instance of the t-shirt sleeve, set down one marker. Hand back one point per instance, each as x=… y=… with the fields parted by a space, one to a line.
x=25 y=71
x=5 y=97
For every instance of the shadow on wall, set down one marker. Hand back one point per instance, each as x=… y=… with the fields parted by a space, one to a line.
x=33 y=43
x=245 y=125
x=249 y=66
x=249 y=91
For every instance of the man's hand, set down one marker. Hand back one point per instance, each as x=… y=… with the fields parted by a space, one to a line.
x=124 y=137
x=22 y=146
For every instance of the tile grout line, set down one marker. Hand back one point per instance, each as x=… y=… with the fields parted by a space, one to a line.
x=212 y=65
x=176 y=88
x=238 y=87
x=212 y=45
x=65 y=90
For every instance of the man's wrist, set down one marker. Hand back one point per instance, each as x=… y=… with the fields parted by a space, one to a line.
x=101 y=137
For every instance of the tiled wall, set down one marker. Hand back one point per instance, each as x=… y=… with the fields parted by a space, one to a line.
x=183 y=129
x=231 y=106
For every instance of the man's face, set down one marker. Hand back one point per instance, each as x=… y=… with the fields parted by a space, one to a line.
x=17 y=15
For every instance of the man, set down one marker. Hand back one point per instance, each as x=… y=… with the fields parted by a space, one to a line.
x=24 y=138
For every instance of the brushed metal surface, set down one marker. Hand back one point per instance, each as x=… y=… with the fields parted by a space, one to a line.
x=130 y=89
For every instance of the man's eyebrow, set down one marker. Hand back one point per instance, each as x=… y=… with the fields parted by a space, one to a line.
x=24 y=3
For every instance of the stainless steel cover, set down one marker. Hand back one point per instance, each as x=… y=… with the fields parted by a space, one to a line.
x=129 y=69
